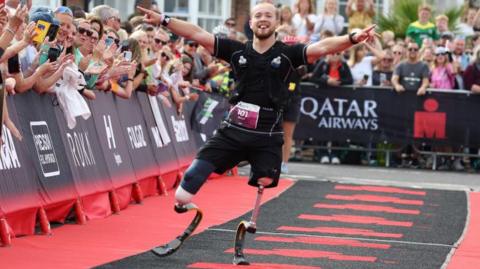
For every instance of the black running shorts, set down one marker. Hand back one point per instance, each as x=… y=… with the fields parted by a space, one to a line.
x=231 y=145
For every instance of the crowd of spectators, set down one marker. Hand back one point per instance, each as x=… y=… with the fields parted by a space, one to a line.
x=84 y=53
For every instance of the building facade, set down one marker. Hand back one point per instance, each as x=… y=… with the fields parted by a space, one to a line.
x=210 y=13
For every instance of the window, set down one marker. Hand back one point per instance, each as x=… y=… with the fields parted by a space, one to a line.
x=205 y=13
x=176 y=6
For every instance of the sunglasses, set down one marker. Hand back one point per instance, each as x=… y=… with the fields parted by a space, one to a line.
x=158 y=41
x=115 y=40
x=231 y=24
x=194 y=45
x=413 y=49
x=83 y=31
x=442 y=54
x=388 y=59
x=165 y=55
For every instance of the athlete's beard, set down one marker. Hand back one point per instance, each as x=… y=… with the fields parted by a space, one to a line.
x=263 y=36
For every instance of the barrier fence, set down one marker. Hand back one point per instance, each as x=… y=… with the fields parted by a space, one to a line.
x=378 y=115
x=137 y=147
x=126 y=150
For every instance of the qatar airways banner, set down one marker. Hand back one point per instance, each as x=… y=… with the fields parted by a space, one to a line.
x=376 y=115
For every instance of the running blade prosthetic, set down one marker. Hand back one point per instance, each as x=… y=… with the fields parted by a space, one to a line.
x=176 y=243
x=248 y=226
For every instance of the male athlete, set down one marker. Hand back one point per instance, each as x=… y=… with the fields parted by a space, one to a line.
x=263 y=69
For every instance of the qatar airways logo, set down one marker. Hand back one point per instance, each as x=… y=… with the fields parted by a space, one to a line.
x=338 y=113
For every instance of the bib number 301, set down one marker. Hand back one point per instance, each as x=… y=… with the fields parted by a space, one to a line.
x=245 y=114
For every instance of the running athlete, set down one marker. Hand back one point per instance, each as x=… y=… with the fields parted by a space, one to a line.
x=253 y=128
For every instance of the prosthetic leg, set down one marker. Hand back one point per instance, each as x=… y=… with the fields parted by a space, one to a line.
x=248 y=226
x=176 y=243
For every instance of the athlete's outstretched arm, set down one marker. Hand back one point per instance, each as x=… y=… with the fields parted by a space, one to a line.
x=182 y=28
x=338 y=43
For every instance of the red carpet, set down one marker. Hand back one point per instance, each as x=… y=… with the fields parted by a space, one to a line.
x=468 y=254
x=136 y=229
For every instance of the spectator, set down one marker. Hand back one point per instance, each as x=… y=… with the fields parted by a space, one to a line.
x=441 y=22
x=78 y=12
x=362 y=64
x=382 y=74
x=471 y=76
x=459 y=55
x=422 y=28
x=231 y=23
x=329 y=20
x=360 y=13
x=443 y=72
x=304 y=19
x=286 y=23
x=413 y=74
x=110 y=17
x=332 y=71
x=388 y=39
x=427 y=55
x=398 y=54
x=465 y=28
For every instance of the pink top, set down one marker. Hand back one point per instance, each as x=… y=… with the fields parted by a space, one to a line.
x=442 y=77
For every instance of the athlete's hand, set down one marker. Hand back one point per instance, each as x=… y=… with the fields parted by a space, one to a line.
x=368 y=34
x=151 y=16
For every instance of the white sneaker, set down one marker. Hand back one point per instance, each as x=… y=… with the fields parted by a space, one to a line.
x=335 y=160
x=284 y=168
x=325 y=160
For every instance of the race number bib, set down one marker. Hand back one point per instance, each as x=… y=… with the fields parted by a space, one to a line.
x=245 y=114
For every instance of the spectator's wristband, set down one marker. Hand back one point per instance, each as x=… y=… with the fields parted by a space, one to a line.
x=166 y=20
x=350 y=37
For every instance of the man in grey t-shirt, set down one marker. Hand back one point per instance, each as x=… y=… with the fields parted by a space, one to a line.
x=413 y=74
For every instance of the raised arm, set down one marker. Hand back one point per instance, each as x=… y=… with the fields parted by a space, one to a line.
x=338 y=43
x=181 y=28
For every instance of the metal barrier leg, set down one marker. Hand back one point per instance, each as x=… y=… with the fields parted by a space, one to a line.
x=434 y=165
x=387 y=158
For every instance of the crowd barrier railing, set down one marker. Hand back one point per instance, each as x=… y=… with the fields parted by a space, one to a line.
x=126 y=150
x=375 y=115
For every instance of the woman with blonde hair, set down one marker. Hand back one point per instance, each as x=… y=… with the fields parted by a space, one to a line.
x=286 y=20
x=362 y=64
x=304 y=19
x=329 y=20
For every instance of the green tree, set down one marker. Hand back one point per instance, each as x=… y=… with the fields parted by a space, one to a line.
x=404 y=12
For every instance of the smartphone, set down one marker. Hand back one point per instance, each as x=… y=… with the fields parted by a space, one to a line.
x=127 y=55
x=41 y=29
x=108 y=41
x=53 y=54
x=69 y=50
x=52 y=32
x=14 y=65
x=162 y=87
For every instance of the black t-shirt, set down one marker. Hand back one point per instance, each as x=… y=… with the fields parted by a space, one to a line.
x=257 y=86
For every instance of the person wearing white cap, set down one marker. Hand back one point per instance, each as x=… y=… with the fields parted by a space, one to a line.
x=443 y=72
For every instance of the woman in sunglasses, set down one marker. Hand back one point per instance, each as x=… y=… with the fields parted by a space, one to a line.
x=443 y=72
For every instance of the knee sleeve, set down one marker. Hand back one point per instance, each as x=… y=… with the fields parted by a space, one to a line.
x=274 y=174
x=196 y=175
